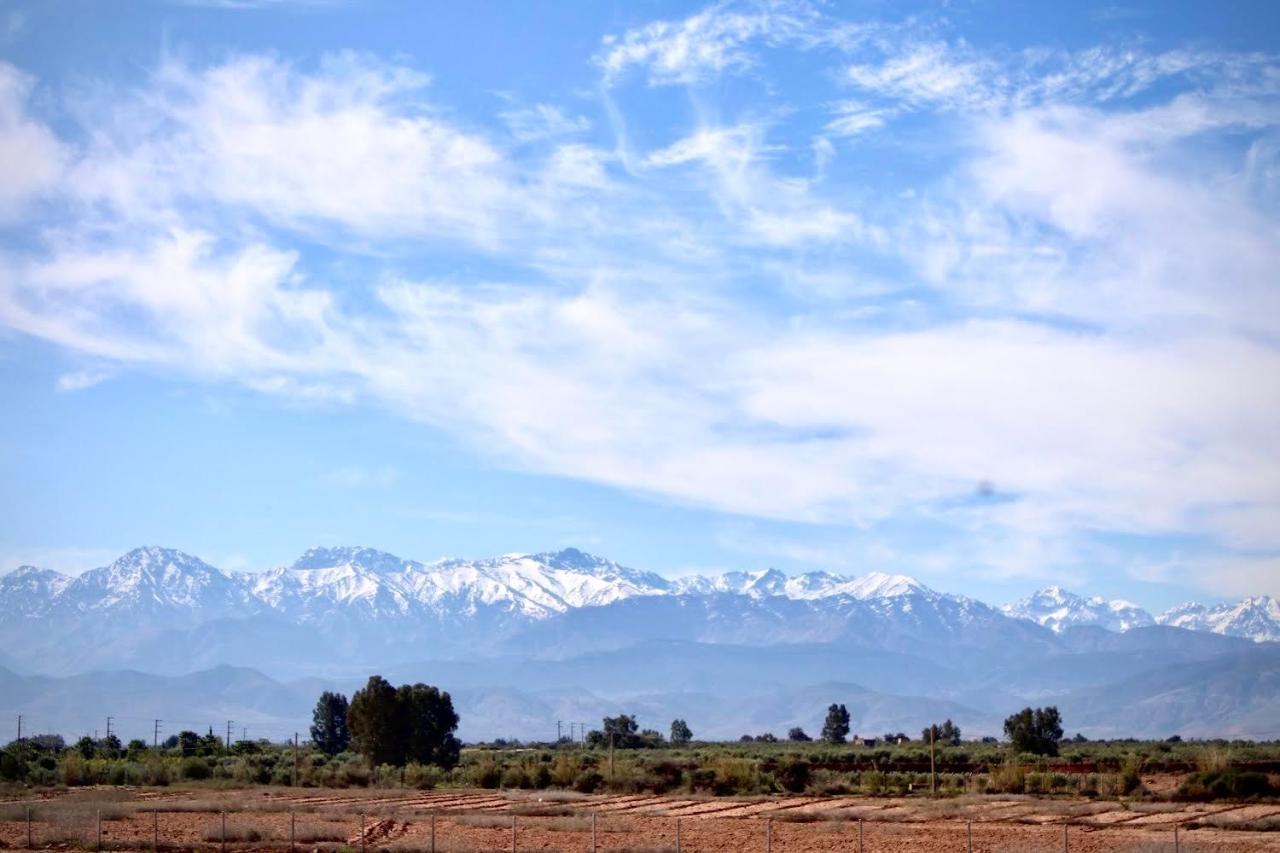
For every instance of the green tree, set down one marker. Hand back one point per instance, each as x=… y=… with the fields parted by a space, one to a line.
x=374 y=719
x=797 y=734
x=429 y=722
x=1036 y=731
x=680 y=732
x=87 y=747
x=947 y=734
x=329 y=723
x=188 y=742
x=836 y=728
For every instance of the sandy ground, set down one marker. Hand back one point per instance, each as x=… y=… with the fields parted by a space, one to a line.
x=260 y=819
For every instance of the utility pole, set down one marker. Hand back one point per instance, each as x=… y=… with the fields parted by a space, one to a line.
x=295 y=760
x=19 y=728
x=557 y=731
x=109 y=719
x=244 y=733
x=933 y=774
x=228 y=743
x=155 y=734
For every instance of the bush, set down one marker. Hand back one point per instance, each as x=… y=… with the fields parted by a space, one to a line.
x=1010 y=778
x=194 y=769
x=1229 y=784
x=421 y=776
x=794 y=776
x=588 y=782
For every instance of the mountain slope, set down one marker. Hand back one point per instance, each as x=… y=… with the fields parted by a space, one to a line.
x=1256 y=617
x=1058 y=609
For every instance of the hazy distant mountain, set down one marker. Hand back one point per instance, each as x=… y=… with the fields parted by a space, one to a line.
x=1256 y=617
x=611 y=637
x=1058 y=609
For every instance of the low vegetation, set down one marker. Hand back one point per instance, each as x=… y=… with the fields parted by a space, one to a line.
x=389 y=737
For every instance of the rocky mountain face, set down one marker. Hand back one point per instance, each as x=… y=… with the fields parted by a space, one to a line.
x=570 y=630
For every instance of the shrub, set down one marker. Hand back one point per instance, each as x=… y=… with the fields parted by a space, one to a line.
x=1229 y=784
x=421 y=776
x=587 y=782
x=794 y=776
x=194 y=769
x=1009 y=778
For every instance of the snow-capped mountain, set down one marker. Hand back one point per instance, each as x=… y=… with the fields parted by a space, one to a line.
x=1256 y=617
x=1059 y=609
x=359 y=606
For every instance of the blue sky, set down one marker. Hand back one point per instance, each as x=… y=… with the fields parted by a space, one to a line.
x=984 y=293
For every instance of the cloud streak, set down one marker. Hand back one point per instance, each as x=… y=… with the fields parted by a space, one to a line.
x=1067 y=311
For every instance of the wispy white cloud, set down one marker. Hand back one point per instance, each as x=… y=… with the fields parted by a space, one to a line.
x=32 y=159
x=543 y=121
x=1100 y=338
x=79 y=380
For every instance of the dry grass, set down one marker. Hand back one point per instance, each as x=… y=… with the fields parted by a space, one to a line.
x=313 y=831
x=483 y=821
x=236 y=832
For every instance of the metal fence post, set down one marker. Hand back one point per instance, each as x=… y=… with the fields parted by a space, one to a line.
x=677 y=835
x=30 y=846
x=859 y=835
x=155 y=830
x=968 y=833
x=1177 y=845
x=293 y=829
x=1064 y=839
x=513 y=834
x=433 y=832
x=223 y=845
x=361 y=832
x=99 y=829
x=593 y=832
x=768 y=835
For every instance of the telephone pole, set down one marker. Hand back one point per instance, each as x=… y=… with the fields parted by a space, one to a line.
x=155 y=735
x=557 y=731
x=19 y=728
x=109 y=719
x=228 y=743
x=295 y=760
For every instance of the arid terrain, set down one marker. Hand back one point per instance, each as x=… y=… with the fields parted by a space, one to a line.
x=133 y=819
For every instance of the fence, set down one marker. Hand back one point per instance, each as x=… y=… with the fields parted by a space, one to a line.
x=403 y=831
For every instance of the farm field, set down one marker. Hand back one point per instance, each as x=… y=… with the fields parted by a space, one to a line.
x=482 y=820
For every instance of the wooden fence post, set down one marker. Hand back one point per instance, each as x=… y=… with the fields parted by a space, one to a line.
x=99 y=829
x=155 y=831
x=677 y=835
x=293 y=829
x=768 y=835
x=223 y=845
x=30 y=846
x=859 y=835
x=513 y=834
x=593 y=832
x=433 y=832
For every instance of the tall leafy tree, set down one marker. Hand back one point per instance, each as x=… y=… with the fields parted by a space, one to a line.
x=947 y=734
x=836 y=728
x=374 y=719
x=427 y=714
x=680 y=732
x=1036 y=731
x=798 y=734
x=329 y=723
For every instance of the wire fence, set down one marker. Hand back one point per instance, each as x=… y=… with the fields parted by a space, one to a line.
x=189 y=826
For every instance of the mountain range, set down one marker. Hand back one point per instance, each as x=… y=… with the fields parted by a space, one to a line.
x=575 y=634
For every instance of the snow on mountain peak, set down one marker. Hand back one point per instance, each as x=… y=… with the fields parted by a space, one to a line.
x=1256 y=617
x=1058 y=609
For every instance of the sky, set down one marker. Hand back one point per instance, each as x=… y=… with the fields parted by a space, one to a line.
x=981 y=292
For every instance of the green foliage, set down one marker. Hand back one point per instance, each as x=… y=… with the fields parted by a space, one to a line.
x=413 y=723
x=836 y=727
x=947 y=734
x=1035 y=731
x=680 y=733
x=797 y=734
x=1228 y=784
x=329 y=723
